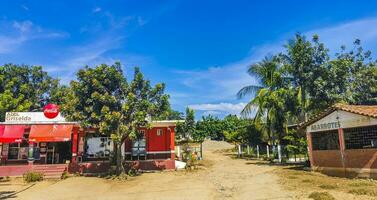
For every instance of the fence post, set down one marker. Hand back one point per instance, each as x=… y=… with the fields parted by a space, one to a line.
x=179 y=152
x=258 y=151
x=239 y=150
x=201 y=151
x=268 y=151
x=248 y=150
x=279 y=153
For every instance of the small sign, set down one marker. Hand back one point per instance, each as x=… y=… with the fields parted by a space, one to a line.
x=51 y=110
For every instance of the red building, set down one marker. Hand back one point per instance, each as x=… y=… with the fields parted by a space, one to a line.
x=31 y=141
x=342 y=141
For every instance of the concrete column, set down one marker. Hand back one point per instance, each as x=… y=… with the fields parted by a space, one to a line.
x=342 y=147
x=172 y=142
x=258 y=151
x=279 y=153
x=75 y=141
x=268 y=151
x=30 y=158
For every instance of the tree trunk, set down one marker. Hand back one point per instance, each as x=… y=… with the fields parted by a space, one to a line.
x=119 y=158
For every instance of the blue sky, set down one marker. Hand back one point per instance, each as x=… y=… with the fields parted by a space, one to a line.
x=200 y=49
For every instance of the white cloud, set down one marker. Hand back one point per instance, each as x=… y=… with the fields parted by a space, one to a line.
x=226 y=108
x=25 y=7
x=14 y=34
x=213 y=113
x=141 y=21
x=23 y=26
x=223 y=82
x=96 y=9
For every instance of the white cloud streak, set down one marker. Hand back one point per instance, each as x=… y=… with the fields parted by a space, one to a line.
x=218 y=108
x=19 y=32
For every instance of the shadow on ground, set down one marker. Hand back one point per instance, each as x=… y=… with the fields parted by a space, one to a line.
x=7 y=194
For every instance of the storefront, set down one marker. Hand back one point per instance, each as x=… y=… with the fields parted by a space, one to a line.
x=342 y=141
x=30 y=140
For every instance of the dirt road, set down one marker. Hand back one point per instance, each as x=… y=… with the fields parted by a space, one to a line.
x=227 y=178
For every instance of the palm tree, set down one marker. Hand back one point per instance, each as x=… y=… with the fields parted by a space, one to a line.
x=266 y=100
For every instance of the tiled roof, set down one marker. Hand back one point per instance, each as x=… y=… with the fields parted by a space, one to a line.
x=370 y=111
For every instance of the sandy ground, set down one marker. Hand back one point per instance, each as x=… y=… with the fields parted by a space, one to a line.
x=226 y=178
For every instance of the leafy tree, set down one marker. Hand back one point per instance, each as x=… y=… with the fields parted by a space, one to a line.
x=209 y=127
x=186 y=129
x=102 y=98
x=170 y=114
x=235 y=129
x=24 y=88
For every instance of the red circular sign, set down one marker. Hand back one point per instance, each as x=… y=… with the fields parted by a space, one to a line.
x=51 y=110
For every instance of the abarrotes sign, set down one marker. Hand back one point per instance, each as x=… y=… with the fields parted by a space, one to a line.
x=341 y=119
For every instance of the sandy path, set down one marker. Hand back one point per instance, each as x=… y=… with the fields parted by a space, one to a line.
x=226 y=179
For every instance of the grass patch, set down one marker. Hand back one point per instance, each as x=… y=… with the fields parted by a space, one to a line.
x=360 y=184
x=307 y=181
x=292 y=177
x=321 y=196
x=328 y=187
x=363 y=191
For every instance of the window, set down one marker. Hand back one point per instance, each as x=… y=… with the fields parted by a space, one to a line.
x=325 y=140
x=159 y=132
x=139 y=148
x=360 y=137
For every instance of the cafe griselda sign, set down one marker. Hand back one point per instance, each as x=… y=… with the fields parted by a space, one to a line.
x=50 y=113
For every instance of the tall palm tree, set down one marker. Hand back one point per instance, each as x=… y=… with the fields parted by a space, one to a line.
x=266 y=100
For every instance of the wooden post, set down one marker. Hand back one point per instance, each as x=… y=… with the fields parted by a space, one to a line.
x=258 y=151
x=201 y=151
x=239 y=151
x=248 y=150
x=268 y=151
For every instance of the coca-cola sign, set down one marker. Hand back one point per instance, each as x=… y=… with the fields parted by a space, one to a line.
x=51 y=110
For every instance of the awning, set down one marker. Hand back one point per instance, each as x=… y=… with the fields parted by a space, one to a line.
x=50 y=133
x=11 y=133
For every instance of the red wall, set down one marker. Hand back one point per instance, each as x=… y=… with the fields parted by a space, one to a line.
x=154 y=142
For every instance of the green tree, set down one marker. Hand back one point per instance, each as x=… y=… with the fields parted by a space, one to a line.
x=235 y=130
x=102 y=98
x=24 y=88
x=266 y=101
x=186 y=129
x=209 y=127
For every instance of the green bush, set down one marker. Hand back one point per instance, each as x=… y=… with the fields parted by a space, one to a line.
x=32 y=176
x=363 y=191
x=64 y=175
x=328 y=187
x=321 y=196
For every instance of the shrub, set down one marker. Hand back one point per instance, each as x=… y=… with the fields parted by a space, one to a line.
x=307 y=181
x=321 y=196
x=363 y=191
x=32 y=176
x=328 y=187
x=64 y=175
x=360 y=184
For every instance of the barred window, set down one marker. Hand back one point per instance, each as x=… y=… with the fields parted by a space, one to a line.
x=360 y=137
x=325 y=140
